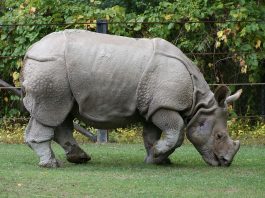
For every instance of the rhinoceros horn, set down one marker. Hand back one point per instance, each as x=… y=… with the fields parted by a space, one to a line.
x=234 y=97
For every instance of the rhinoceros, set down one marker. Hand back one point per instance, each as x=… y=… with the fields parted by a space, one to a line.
x=111 y=81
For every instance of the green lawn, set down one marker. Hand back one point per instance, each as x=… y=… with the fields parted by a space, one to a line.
x=117 y=170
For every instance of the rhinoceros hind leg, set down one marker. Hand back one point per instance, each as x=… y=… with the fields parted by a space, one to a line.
x=38 y=137
x=172 y=124
x=151 y=134
x=64 y=137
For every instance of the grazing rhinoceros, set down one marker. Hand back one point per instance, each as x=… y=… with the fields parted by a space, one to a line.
x=111 y=81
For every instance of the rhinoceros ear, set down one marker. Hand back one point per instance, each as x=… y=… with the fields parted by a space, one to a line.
x=220 y=94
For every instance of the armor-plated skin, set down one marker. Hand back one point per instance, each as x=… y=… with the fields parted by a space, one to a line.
x=111 y=81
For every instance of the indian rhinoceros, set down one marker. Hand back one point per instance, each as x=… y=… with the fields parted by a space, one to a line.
x=111 y=81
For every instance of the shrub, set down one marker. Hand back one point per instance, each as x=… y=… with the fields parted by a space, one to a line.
x=246 y=131
x=132 y=134
x=244 y=41
x=12 y=132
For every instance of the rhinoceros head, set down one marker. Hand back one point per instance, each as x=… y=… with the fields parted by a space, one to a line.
x=208 y=130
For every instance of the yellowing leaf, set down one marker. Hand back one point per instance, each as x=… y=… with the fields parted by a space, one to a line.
x=224 y=38
x=6 y=99
x=210 y=65
x=227 y=31
x=244 y=69
x=16 y=81
x=217 y=44
x=220 y=34
x=15 y=76
x=80 y=17
x=19 y=63
x=258 y=44
x=168 y=17
x=91 y=25
x=107 y=17
x=32 y=10
x=242 y=62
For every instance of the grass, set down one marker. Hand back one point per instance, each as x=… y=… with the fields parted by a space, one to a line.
x=117 y=170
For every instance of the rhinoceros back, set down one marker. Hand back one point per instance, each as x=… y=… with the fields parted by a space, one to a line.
x=110 y=77
x=104 y=72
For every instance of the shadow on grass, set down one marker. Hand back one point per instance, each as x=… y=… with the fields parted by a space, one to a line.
x=132 y=161
x=126 y=156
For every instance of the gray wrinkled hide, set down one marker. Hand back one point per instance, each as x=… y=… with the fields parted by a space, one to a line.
x=110 y=78
x=111 y=81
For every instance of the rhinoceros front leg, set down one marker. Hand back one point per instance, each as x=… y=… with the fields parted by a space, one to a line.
x=38 y=137
x=172 y=125
x=151 y=134
x=64 y=136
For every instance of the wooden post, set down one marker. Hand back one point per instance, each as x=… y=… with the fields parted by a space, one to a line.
x=102 y=134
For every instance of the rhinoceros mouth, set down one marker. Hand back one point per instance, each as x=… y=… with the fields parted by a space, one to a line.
x=224 y=162
x=211 y=159
x=221 y=161
x=215 y=160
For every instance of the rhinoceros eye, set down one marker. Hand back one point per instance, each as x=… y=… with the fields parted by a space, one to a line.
x=201 y=124
x=204 y=127
x=219 y=136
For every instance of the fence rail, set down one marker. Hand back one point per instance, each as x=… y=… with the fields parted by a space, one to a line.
x=187 y=53
x=210 y=84
x=132 y=22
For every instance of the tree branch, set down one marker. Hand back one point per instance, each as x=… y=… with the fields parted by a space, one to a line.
x=15 y=91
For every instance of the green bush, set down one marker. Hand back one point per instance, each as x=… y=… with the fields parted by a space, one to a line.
x=246 y=131
x=132 y=134
x=244 y=41
x=12 y=132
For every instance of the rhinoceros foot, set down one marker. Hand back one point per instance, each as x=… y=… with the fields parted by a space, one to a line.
x=158 y=160
x=77 y=155
x=52 y=163
x=165 y=161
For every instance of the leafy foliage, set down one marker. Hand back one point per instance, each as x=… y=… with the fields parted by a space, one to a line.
x=246 y=131
x=244 y=41
x=12 y=132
